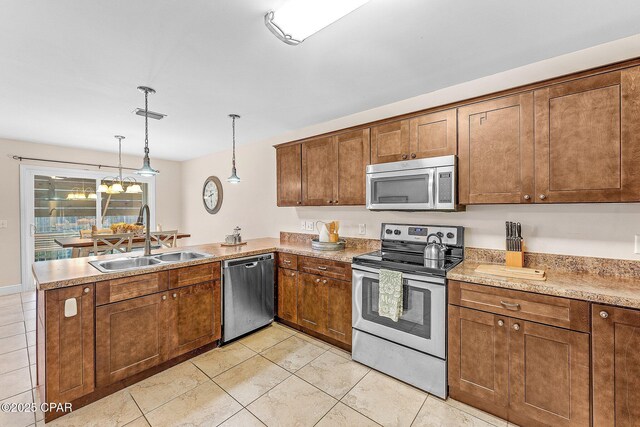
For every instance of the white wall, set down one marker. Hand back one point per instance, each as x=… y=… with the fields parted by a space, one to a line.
x=168 y=198
x=604 y=230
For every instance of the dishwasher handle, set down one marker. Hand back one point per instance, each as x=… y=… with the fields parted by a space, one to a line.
x=251 y=264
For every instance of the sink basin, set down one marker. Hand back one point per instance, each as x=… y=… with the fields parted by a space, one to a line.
x=179 y=256
x=124 y=264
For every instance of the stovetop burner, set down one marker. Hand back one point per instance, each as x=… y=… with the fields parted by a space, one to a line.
x=403 y=249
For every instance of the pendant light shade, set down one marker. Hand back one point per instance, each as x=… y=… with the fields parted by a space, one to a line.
x=134 y=189
x=234 y=178
x=103 y=188
x=116 y=188
x=146 y=169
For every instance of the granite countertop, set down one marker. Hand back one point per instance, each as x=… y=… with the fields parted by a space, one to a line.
x=77 y=271
x=605 y=289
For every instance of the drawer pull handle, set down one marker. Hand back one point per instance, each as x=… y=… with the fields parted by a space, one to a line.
x=322 y=267
x=604 y=314
x=510 y=305
x=516 y=327
x=287 y=261
x=500 y=323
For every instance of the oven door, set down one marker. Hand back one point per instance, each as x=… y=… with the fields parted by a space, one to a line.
x=401 y=190
x=422 y=325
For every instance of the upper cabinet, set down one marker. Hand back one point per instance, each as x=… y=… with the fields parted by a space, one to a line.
x=495 y=149
x=433 y=135
x=588 y=139
x=430 y=135
x=319 y=178
x=353 y=157
x=289 y=174
x=390 y=142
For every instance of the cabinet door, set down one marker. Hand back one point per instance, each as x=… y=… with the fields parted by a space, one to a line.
x=588 y=139
x=289 y=165
x=319 y=171
x=433 y=134
x=354 y=151
x=131 y=336
x=495 y=151
x=339 y=310
x=479 y=359
x=390 y=142
x=69 y=344
x=548 y=375
x=312 y=302
x=288 y=295
x=194 y=318
x=616 y=366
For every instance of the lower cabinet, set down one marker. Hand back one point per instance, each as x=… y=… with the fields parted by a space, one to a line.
x=339 y=310
x=69 y=343
x=194 y=318
x=288 y=295
x=312 y=302
x=527 y=372
x=616 y=366
x=131 y=336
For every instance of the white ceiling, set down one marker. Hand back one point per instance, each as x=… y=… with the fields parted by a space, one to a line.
x=69 y=69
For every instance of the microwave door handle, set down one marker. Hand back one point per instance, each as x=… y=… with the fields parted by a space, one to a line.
x=432 y=186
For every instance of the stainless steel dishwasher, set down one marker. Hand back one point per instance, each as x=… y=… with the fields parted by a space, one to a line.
x=248 y=293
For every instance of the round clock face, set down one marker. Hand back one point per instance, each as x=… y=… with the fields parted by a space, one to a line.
x=212 y=194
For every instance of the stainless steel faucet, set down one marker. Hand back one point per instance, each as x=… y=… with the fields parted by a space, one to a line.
x=147 y=239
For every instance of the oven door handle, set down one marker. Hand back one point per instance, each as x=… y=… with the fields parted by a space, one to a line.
x=423 y=280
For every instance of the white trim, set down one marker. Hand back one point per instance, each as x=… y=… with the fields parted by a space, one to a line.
x=27 y=174
x=10 y=289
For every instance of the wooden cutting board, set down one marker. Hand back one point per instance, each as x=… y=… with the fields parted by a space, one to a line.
x=515 y=272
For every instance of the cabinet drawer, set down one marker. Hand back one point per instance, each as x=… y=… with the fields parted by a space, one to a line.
x=334 y=269
x=556 y=311
x=193 y=275
x=287 y=261
x=109 y=291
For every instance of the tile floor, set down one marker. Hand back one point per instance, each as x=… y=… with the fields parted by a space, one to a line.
x=274 y=377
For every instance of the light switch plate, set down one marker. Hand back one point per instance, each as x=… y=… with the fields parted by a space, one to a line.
x=3 y=223
x=311 y=226
x=362 y=228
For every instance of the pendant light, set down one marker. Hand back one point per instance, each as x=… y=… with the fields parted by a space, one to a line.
x=146 y=169
x=234 y=178
x=117 y=182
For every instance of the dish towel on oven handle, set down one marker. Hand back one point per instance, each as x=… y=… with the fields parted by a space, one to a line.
x=390 y=294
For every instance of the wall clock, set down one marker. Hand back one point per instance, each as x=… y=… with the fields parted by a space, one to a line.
x=212 y=194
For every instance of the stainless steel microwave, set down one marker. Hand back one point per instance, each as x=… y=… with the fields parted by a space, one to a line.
x=413 y=185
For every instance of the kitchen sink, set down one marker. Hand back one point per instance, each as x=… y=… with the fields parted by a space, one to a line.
x=179 y=256
x=134 y=263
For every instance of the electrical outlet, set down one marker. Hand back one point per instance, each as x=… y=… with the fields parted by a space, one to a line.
x=637 y=245
x=362 y=228
x=311 y=226
x=3 y=223
x=303 y=225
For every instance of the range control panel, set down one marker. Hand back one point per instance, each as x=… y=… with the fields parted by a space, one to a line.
x=419 y=233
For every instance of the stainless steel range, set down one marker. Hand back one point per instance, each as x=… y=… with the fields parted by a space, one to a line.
x=413 y=349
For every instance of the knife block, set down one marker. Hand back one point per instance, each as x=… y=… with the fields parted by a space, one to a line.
x=515 y=258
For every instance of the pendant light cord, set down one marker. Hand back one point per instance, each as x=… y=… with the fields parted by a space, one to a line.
x=233 y=127
x=120 y=158
x=146 y=122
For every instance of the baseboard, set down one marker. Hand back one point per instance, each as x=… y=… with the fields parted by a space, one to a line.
x=10 y=289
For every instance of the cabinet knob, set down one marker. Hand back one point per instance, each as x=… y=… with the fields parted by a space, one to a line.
x=175 y=295
x=516 y=327
x=329 y=201
x=604 y=314
x=542 y=197
x=86 y=290
x=317 y=280
x=164 y=297
x=335 y=201
x=324 y=281
x=293 y=274
x=298 y=203
x=413 y=155
x=500 y=323
x=527 y=197
x=404 y=157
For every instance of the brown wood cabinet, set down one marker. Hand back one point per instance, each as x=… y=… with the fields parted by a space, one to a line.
x=354 y=152
x=390 y=142
x=289 y=175
x=288 y=295
x=549 y=375
x=479 y=359
x=587 y=145
x=69 y=344
x=312 y=302
x=433 y=135
x=194 y=317
x=193 y=275
x=529 y=373
x=339 y=310
x=319 y=178
x=616 y=366
x=131 y=336
x=495 y=151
